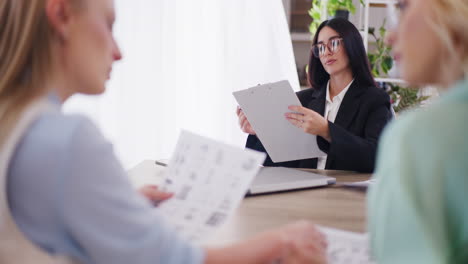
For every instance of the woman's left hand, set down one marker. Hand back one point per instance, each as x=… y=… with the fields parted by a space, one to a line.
x=309 y=121
x=155 y=196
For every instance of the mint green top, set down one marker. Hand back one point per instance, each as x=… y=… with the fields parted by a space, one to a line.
x=418 y=209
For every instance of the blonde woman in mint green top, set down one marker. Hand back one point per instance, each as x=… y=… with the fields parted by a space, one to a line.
x=418 y=209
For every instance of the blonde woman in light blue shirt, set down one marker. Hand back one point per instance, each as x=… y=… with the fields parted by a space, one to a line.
x=418 y=211
x=67 y=192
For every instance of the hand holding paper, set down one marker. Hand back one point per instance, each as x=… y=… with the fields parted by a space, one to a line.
x=154 y=195
x=265 y=106
x=309 y=121
x=243 y=122
x=209 y=180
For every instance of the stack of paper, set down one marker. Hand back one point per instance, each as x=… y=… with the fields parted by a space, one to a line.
x=347 y=247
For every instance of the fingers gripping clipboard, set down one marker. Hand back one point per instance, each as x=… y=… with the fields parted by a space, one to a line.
x=264 y=107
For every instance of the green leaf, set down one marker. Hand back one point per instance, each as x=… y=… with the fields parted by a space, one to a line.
x=408 y=97
x=382 y=29
x=372 y=58
x=382 y=32
x=315 y=13
x=387 y=64
x=316 y=16
x=350 y=6
x=375 y=72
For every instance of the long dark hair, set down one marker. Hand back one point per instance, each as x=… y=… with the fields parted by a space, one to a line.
x=354 y=46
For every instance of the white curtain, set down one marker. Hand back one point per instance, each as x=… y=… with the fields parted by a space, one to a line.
x=182 y=61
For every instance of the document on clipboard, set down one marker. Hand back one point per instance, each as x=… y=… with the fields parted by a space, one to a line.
x=265 y=106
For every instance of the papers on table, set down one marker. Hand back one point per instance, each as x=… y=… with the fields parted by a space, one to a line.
x=209 y=180
x=264 y=107
x=362 y=185
x=347 y=247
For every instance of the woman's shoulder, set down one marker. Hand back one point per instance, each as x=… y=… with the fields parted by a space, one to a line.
x=433 y=134
x=370 y=96
x=47 y=154
x=436 y=130
x=59 y=134
x=310 y=93
x=307 y=92
x=375 y=93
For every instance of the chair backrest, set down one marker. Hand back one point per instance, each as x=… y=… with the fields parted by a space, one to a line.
x=14 y=246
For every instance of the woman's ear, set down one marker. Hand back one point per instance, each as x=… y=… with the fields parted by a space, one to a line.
x=59 y=14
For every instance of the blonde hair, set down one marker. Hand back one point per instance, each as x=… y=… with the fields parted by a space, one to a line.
x=450 y=22
x=26 y=57
x=25 y=52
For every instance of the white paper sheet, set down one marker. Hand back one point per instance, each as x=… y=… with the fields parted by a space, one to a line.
x=264 y=107
x=362 y=185
x=147 y=173
x=209 y=180
x=347 y=247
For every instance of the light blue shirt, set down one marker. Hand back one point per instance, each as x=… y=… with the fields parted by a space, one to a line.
x=70 y=195
x=418 y=209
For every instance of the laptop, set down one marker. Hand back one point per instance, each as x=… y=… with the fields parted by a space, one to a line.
x=280 y=179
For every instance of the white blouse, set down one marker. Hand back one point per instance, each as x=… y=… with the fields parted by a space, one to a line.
x=332 y=106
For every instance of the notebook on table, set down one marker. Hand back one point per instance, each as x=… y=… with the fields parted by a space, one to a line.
x=279 y=179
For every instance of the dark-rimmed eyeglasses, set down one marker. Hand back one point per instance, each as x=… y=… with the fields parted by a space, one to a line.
x=333 y=46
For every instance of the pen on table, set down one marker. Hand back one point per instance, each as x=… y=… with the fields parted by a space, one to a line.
x=160 y=163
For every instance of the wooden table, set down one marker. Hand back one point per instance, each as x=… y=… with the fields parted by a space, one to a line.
x=332 y=206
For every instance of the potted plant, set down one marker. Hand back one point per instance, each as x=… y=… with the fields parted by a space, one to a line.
x=340 y=8
x=335 y=8
x=402 y=97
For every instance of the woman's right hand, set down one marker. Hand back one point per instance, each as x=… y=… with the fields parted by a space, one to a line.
x=154 y=195
x=243 y=122
x=296 y=243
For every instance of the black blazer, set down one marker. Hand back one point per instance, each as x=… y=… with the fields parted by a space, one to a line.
x=363 y=114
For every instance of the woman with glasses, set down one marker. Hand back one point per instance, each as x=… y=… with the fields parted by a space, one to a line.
x=66 y=190
x=344 y=108
x=418 y=209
